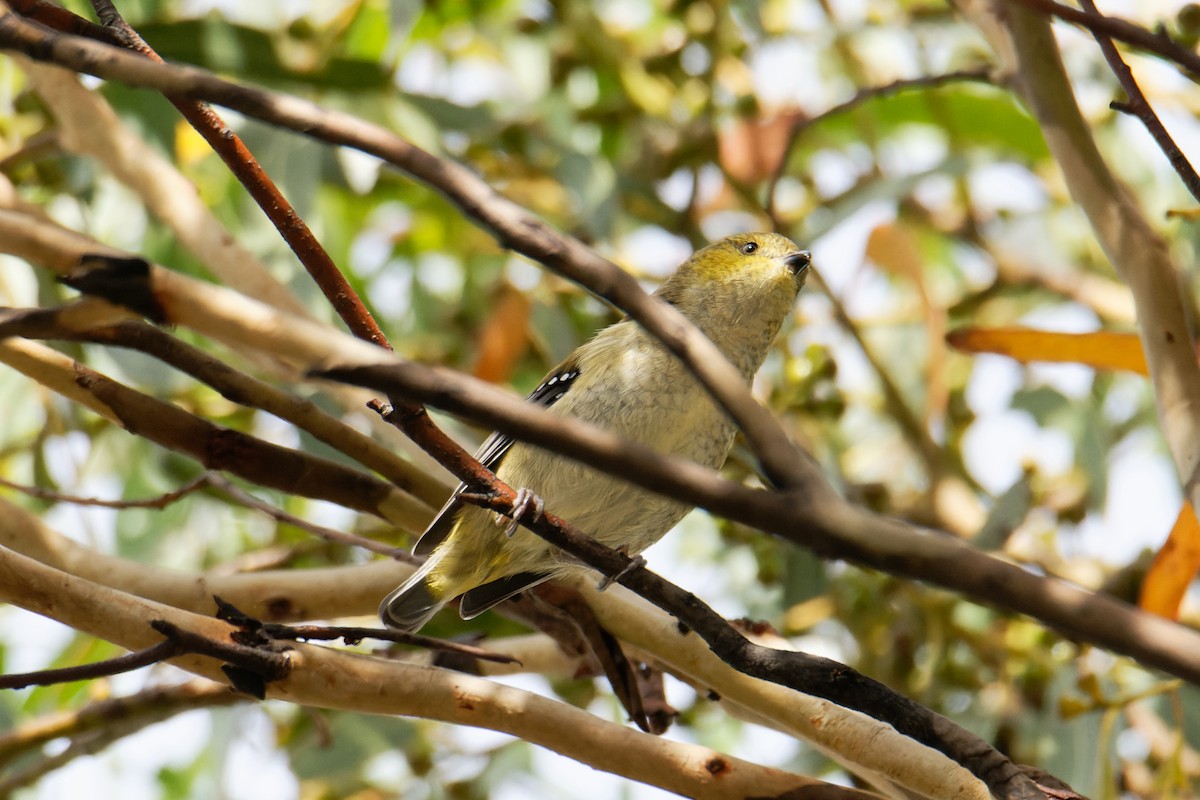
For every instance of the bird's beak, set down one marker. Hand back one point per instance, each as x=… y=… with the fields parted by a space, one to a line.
x=798 y=262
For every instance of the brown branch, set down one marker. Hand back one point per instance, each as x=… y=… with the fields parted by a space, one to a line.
x=56 y=17
x=1140 y=107
x=513 y=226
x=1157 y=42
x=101 y=669
x=815 y=518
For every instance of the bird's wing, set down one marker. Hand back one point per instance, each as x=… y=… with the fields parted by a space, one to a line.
x=490 y=454
x=481 y=598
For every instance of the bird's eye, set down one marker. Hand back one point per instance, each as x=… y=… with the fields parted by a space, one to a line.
x=748 y=248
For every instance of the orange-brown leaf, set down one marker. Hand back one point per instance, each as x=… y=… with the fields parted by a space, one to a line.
x=504 y=336
x=751 y=149
x=1101 y=349
x=1174 y=567
x=896 y=249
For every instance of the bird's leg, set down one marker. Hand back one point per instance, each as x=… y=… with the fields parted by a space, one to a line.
x=635 y=562
x=525 y=502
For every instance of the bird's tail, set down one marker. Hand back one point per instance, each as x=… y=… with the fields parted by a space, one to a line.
x=414 y=602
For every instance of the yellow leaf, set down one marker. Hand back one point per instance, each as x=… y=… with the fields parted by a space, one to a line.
x=1101 y=350
x=190 y=146
x=1174 y=567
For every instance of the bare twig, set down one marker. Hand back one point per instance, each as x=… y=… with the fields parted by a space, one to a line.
x=1157 y=42
x=100 y=669
x=159 y=502
x=802 y=124
x=254 y=630
x=1139 y=106
x=227 y=488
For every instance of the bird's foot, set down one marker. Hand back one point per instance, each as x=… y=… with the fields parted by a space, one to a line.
x=634 y=563
x=525 y=502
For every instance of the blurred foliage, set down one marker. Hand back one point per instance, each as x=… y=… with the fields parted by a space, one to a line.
x=647 y=128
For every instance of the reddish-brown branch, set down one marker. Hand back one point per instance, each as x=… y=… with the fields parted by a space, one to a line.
x=60 y=19
x=241 y=162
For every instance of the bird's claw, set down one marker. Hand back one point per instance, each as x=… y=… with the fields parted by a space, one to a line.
x=634 y=563
x=524 y=502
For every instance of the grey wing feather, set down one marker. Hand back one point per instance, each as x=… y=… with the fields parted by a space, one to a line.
x=490 y=454
x=481 y=598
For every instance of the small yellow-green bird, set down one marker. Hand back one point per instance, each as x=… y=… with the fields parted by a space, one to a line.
x=738 y=291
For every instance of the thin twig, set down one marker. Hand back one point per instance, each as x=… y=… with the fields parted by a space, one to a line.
x=100 y=669
x=352 y=635
x=1140 y=107
x=1157 y=42
x=979 y=75
x=244 y=498
x=159 y=502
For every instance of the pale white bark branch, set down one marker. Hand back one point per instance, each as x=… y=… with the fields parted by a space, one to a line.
x=53 y=370
x=89 y=126
x=869 y=748
x=272 y=595
x=338 y=680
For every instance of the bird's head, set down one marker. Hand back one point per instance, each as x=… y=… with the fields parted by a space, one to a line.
x=746 y=268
